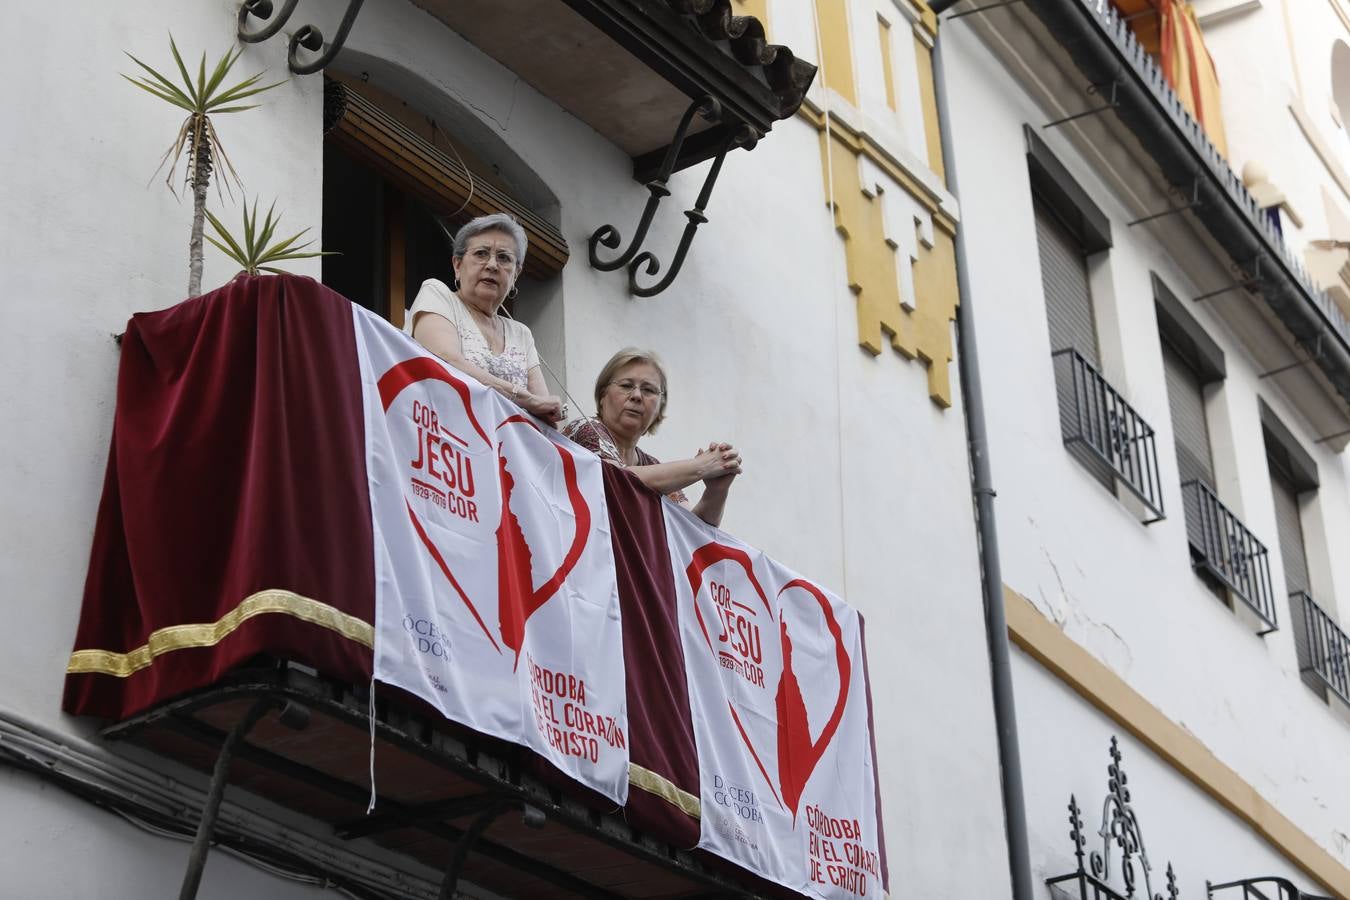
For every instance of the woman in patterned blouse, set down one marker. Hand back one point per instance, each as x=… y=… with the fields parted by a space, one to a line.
x=464 y=328
x=630 y=401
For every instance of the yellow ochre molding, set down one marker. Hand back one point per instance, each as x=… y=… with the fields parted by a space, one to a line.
x=664 y=788
x=923 y=54
x=1108 y=692
x=836 y=50
x=208 y=634
x=863 y=144
x=922 y=333
x=927 y=18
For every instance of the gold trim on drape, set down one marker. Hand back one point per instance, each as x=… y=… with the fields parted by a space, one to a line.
x=208 y=634
x=664 y=788
x=1190 y=70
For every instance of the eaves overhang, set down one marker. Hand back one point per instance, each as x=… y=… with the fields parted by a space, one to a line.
x=630 y=68
x=1105 y=51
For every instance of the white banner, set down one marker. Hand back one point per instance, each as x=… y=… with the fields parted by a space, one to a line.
x=778 y=694
x=495 y=596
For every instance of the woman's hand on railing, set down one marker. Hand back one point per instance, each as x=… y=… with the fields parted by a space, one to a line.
x=547 y=407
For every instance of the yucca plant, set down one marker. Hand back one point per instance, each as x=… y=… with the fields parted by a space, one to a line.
x=255 y=252
x=201 y=98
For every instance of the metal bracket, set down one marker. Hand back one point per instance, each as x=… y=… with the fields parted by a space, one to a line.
x=532 y=816
x=1246 y=283
x=980 y=9
x=307 y=36
x=743 y=136
x=1171 y=211
x=1314 y=357
x=1332 y=437
x=1092 y=89
x=293 y=716
x=608 y=236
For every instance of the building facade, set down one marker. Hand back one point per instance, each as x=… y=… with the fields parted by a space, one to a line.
x=810 y=324
x=1166 y=396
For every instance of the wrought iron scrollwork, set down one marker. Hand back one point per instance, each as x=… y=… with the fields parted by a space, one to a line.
x=308 y=37
x=634 y=257
x=1119 y=831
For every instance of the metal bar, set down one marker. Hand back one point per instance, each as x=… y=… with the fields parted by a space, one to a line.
x=359 y=796
x=981 y=9
x=1088 y=112
x=461 y=851
x=1332 y=437
x=1293 y=365
x=261 y=9
x=206 y=827
x=439 y=810
x=1167 y=212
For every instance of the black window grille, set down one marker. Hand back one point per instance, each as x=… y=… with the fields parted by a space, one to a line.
x=1326 y=647
x=1264 y=888
x=1099 y=419
x=1230 y=552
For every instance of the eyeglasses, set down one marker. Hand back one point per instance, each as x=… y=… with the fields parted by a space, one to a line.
x=481 y=255
x=627 y=386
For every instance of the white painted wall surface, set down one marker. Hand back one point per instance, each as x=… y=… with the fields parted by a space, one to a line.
x=1124 y=591
x=853 y=476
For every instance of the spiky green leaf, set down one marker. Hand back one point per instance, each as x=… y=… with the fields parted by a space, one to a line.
x=187 y=79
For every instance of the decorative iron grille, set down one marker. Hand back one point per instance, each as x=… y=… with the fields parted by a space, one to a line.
x=1229 y=551
x=1265 y=888
x=1120 y=829
x=1095 y=416
x=1328 y=647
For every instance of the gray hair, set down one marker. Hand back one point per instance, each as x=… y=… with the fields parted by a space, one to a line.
x=494 y=222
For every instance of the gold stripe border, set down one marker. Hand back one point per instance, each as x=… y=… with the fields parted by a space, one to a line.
x=208 y=634
x=1064 y=658
x=664 y=788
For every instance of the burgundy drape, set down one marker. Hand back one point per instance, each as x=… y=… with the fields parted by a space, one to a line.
x=237 y=465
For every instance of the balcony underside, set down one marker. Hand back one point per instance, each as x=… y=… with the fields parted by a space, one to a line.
x=433 y=781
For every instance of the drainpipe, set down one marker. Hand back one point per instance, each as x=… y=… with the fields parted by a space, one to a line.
x=991 y=572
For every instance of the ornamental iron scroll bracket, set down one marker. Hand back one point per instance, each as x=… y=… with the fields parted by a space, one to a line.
x=1269 y=887
x=308 y=37
x=633 y=256
x=1119 y=829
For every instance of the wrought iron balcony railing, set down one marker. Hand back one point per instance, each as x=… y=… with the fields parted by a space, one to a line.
x=1229 y=551
x=1266 y=888
x=1326 y=646
x=1096 y=417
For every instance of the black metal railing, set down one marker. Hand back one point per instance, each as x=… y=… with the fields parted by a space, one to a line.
x=1265 y=888
x=1326 y=645
x=1095 y=416
x=1229 y=551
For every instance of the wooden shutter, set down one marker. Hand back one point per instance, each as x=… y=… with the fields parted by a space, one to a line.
x=368 y=133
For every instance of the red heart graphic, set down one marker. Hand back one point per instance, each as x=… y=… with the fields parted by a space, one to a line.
x=391 y=384
x=703 y=557
x=797 y=754
x=518 y=599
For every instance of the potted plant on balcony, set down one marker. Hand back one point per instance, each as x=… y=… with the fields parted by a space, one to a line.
x=202 y=97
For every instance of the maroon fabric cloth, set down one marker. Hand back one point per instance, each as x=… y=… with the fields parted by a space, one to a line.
x=237 y=465
x=660 y=727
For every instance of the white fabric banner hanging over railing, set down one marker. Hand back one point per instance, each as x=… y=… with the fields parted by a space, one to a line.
x=495 y=594
x=778 y=694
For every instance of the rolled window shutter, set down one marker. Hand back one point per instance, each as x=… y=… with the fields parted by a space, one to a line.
x=1064 y=275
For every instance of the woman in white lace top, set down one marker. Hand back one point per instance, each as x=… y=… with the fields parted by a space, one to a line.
x=464 y=327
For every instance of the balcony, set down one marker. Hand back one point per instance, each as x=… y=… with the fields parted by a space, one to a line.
x=1229 y=552
x=1095 y=417
x=1324 y=651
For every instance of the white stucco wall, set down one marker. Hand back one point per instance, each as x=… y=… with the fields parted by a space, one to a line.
x=853 y=476
x=1122 y=590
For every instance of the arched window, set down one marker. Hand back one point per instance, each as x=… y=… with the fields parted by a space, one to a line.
x=404 y=167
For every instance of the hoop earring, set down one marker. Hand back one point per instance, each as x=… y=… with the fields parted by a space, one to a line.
x=454 y=284
x=513 y=293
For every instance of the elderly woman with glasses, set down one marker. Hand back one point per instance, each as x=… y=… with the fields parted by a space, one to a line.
x=630 y=401
x=464 y=327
